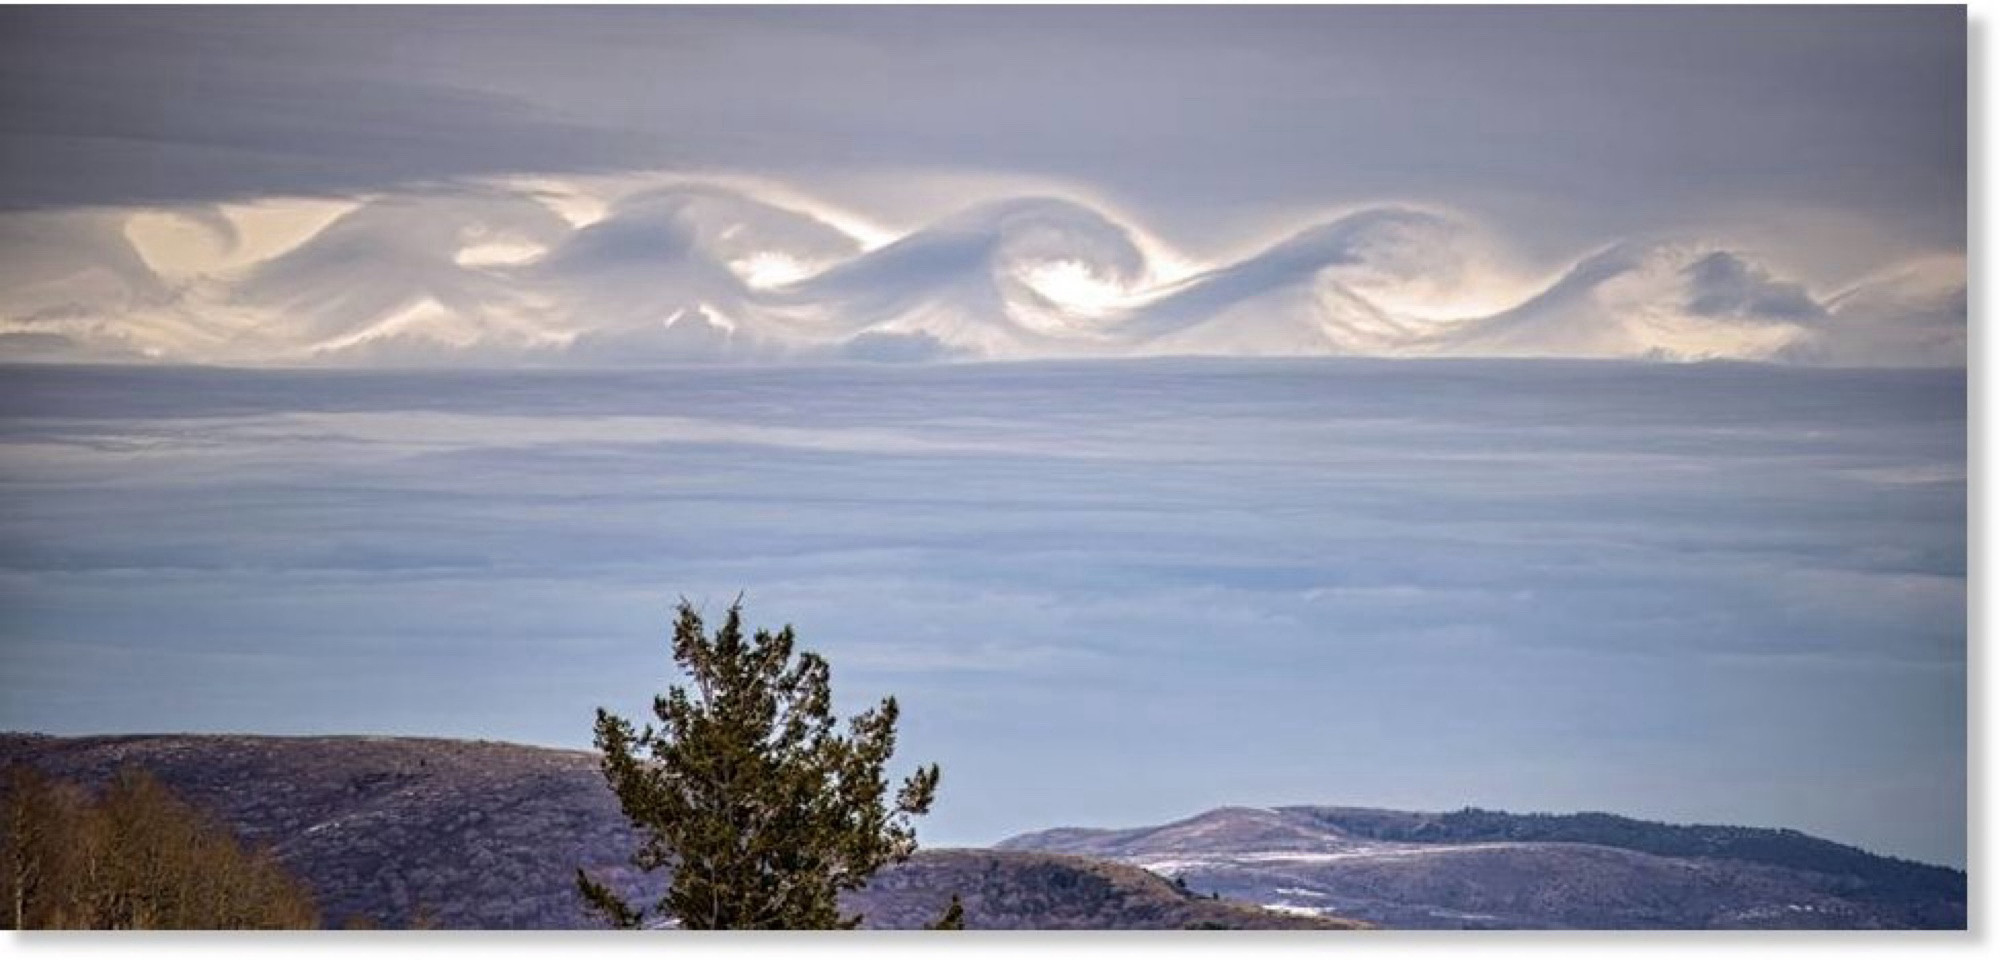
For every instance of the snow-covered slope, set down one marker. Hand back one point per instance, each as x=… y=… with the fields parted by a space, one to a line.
x=1481 y=869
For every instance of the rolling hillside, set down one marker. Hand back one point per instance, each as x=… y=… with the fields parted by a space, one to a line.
x=1477 y=869
x=484 y=835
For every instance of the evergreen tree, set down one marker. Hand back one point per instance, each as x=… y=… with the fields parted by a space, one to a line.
x=763 y=813
x=953 y=918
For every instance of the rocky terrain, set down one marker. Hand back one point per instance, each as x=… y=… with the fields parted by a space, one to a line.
x=1481 y=869
x=488 y=835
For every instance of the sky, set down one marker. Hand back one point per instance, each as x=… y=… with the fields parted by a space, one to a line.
x=382 y=186
x=1553 y=408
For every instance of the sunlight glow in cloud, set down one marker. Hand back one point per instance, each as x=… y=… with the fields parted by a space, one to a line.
x=530 y=271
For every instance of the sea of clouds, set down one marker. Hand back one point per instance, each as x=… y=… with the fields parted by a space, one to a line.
x=1106 y=592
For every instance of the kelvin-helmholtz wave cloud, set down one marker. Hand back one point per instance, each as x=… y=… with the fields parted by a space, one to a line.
x=577 y=272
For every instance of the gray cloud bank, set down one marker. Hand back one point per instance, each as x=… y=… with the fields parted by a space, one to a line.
x=1623 y=111
x=1106 y=593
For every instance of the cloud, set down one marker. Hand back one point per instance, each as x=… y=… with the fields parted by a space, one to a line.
x=555 y=273
x=891 y=347
x=68 y=264
x=1723 y=285
x=1148 y=187
x=1578 y=126
x=393 y=263
x=1915 y=310
x=1662 y=301
x=1334 y=579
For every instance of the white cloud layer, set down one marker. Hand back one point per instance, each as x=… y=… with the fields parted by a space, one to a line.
x=634 y=272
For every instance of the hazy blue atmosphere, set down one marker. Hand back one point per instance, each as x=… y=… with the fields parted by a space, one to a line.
x=1107 y=593
x=1531 y=408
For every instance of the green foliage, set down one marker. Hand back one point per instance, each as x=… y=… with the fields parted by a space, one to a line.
x=138 y=858
x=762 y=812
x=953 y=918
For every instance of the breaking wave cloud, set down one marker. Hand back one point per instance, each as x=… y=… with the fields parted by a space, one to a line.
x=537 y=272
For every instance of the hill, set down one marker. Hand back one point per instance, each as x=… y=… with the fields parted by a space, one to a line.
x=488 y=835
x=485 y=835
x=1481 y=869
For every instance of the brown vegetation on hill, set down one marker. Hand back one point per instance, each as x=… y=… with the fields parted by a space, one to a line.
x=136 y=857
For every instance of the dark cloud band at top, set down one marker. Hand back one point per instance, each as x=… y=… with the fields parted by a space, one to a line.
x=1609 y=119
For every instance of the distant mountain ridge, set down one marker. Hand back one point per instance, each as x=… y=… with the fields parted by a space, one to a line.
x=486 y=835
x=1480 y=868
x=489 y=835
x=1884 y=876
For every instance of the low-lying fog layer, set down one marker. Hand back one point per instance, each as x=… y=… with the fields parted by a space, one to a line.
x=1106 y=593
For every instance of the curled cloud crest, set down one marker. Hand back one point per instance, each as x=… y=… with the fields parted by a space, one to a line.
x=712 y=274
x=1914 y=312
x=732 y=228
x=1647 y=300
x=991 y=280
x=1306 y=294
x=392 y=264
